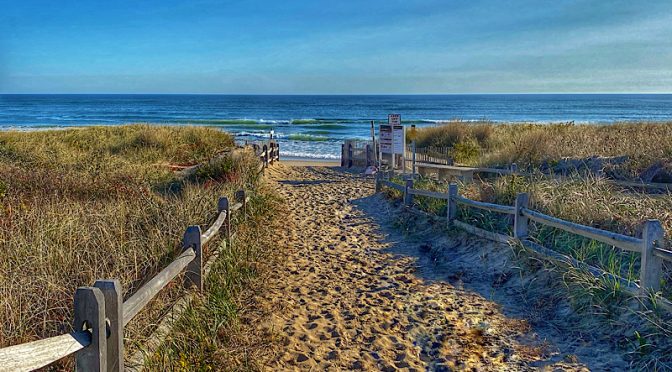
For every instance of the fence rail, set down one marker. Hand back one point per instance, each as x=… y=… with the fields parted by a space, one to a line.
x=650 y=245
x=99 y=313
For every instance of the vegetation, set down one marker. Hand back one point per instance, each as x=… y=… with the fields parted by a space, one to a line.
x=101 y=202
x=631 y=149
x=220 y=331
x=587 y=156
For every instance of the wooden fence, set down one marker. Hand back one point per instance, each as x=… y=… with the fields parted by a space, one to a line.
x=650 y=245
x=430 y=154
x=100 y=314
x=357 y=154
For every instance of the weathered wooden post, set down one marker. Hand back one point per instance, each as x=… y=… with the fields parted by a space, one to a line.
x=520 y=221
x=349 y=154
x=368 y=157
x=265 y=151
x=451 y=210
x=194 y=272
x=408 y=197
x=114 y=311
x=342 y=155
x=277 y=153
x=651 y=265
x=90 y=315
x=240 y=197
x=379 y=184
x=223 y=205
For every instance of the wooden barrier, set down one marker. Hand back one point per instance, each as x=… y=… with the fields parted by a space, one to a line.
x=650 y=245
x=356 y=153
x=99 y=313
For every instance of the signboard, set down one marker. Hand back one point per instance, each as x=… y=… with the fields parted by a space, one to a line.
x=394 y=119
x=398 y=139
x=385 y=132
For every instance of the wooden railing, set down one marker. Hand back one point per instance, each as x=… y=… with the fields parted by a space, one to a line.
x=100 y=315
x=650 y=245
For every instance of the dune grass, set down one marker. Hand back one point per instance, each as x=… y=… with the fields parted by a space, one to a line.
x=102 y=202
x=220 y=330
x=532 y=146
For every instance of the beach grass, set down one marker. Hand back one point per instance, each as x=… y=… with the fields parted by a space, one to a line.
x=564 y=181
x=535 y=146
x=78 y=205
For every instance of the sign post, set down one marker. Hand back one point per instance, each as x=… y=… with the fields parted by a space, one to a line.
x=413 y=136
x=392 y=139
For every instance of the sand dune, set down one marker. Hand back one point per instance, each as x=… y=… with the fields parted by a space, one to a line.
x=344 y=300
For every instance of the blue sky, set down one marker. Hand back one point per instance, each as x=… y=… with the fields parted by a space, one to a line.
x=315 y=47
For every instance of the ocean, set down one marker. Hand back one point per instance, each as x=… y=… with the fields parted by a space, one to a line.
x=314 y=126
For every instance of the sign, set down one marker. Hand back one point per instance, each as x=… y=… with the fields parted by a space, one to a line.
x=398 y=139
x=394 y=119
x=385 y=132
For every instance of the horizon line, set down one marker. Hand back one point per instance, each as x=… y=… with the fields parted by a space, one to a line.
x=348 y=94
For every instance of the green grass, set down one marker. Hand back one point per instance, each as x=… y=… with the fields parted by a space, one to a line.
x=210 y=334
x=84 y=204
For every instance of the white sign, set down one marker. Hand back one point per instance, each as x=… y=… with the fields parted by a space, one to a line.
x=398 y=139
x=394 y=119
x=385 y=132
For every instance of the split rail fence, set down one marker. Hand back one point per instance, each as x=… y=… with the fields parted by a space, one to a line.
x=650 y=245
x=100 y=314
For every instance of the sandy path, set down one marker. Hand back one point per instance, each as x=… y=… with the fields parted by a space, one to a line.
x=345 y=301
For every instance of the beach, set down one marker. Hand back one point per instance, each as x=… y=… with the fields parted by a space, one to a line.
x=352 y=293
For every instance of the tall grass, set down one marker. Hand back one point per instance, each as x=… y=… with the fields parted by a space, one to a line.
x=531 y=146
x=83 y=204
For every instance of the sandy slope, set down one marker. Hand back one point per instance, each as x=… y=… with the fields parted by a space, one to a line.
x=348 y=297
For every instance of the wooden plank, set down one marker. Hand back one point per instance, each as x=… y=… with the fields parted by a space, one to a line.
x=214 y=229
x=446 y=167
x=89 y=315
x=617 y=240
x=193 y=275
x=488 y=206
x=114 y=304
x=393 y=185
x=663 y=253
x=483 y=233
x=651 y=268
x=430 y=194
x=146 y=293
x=629 y=286
x=37 y=354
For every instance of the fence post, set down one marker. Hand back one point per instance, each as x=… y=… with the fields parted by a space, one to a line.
x=408 y=197
x=240 y=197
x=277 y=149
x=90 y=315
x=451 y=210
x=378 y=181
x=194 y=273
x=349 y=154
x=520 y=221
x=223 y=205
x=651 y=265
x=368 y=158
x=114 y=311
x=265 y=151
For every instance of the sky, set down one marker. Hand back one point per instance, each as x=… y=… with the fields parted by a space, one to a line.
x=335 y=47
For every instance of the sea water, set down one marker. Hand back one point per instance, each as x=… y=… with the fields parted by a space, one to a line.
x=311 y=126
